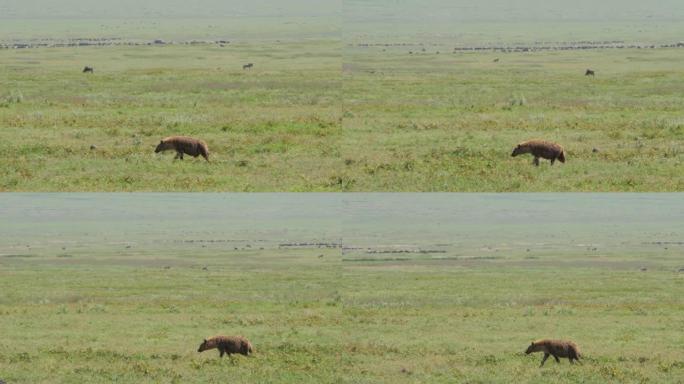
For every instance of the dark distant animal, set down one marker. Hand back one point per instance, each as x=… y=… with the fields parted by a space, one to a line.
x=184 y=145
x=496 y=60
x=555 y=348
x=227 y=345
x=88 y=70
x=589 y=72
x=248 y=66
x=540 y=148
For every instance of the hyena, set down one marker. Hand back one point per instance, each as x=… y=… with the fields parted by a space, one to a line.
x=227 y=345
x=540 y=148
x=555 y=348
x=184 y=145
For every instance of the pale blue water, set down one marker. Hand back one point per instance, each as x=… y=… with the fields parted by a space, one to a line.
x=380 y=220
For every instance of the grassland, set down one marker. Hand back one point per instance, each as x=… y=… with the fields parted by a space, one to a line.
x=445 y=321
x=125 y=293
x=336 y=102
x=448 y=122
x=274 y=127
x=391 y=122
x=101 y=317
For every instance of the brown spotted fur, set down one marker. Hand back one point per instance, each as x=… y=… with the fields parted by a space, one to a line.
x=540 y=148
x=184 y=145
x=555 y=348
x=227 y=345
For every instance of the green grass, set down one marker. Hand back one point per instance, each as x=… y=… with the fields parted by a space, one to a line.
x=442 y=322
x=391 y=122
x=448 y=122
x=274 y=127
x=335 y=101
x=100 y=318
x=71 y=319
x=114 y=288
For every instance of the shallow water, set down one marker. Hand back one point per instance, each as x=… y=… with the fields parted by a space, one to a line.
x=373 y=224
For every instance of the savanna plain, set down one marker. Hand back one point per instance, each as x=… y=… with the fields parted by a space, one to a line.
x=340 y=288
x=359 y=96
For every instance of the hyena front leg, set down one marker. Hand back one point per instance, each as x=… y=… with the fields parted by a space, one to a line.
x=574 y=359
x=553 y=160
x=546 y=356
x=557 y=359
x=536 y=161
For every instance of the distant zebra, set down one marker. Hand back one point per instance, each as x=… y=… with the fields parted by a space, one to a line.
x=88 y=70
x=248 y=66
x=589 y=72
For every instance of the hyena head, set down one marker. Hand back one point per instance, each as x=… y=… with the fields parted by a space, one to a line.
x=203 y=347
x=561 y=157
x=517 y=151
x=162 y=146
x=532 y=348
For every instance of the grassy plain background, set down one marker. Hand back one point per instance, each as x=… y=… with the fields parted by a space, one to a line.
x=323 y=112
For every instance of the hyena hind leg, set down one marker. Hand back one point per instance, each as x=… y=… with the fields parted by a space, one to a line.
x=536 y=161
